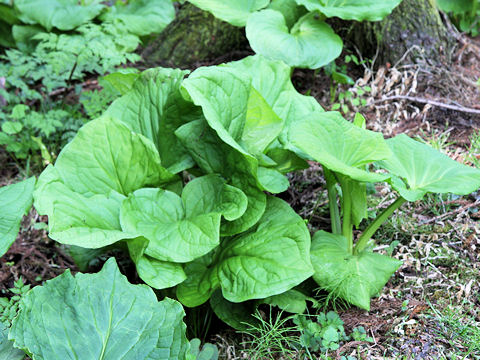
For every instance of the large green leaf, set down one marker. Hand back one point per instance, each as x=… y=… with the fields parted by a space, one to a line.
x=75 y=219
x=60 y=14
x=269 y=260
x=272 y=79
x=215 y=157
x=82 y=193
x=155 y=108
x=7 y=351
x=156 y=273
x=234 y=12
x=15 y=201
x=424 y=169
x=142 y=17
x=340 y=145
x=354 y=278
x=237 y=315
x=371 y=10
x=456 y=6
x=117 y=320
x=311 y=43
x=292 y=301
x=106 y=155
x=186 y=228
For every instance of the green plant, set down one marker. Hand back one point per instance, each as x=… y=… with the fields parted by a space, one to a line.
x=177 y=170
x=271 y=336
x=455 y=326
x=9 y=307
x=25 y=132
x=474 y=149
x=338 y=75
x=465 y=14
x=208 y=351
x=355 y=273
x=211 y=232
x=15 y=202
x=359 y=334
x=118 y=320
x=324 y=334
x=299 y=25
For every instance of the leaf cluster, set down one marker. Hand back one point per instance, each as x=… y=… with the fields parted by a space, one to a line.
x=178 y=169
x=9 y=307
x=25 y=132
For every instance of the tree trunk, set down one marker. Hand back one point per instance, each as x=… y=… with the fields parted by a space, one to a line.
x=413 y=32
x=194 y=36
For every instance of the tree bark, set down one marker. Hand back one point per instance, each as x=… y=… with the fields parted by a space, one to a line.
x=413 y=32
x=194 y=36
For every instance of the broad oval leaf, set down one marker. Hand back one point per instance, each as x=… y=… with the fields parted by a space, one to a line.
x=160 y=217
x=186 y=228
x=269 y=260
x=155 y=108
x=142 y=17
x=424 y=169
x=234 y=12
x=117 y=320
x=311 y=43
x=354 y=278
x=249 y=104
x=156 y=273
x=360 y=10
x=60 y=14
x=107 y=155
x=15 y=201
x=340 y=145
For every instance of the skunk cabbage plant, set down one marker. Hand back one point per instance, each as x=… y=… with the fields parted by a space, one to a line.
x=352 y=271
x=175 y=172
x=181 y=171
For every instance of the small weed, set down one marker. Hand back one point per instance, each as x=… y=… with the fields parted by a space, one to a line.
x=455 y=327
x=9 y=307
x=271 y=337
x=474 y=151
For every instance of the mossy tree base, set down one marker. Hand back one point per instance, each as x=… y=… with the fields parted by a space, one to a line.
x=416 y=27
x=194 y=36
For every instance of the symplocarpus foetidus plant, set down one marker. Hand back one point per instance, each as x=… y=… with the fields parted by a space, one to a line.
x=181 y=171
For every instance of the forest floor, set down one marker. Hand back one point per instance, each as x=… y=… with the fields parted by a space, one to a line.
x=430 y=309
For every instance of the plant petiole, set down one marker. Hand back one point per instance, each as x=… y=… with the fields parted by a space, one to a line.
x=373 y=227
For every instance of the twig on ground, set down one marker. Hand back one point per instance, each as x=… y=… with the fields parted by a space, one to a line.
x=456 y=211
x=430 y=102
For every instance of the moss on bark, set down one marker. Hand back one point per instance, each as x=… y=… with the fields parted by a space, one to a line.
x=195 y=35
x=414 y=26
